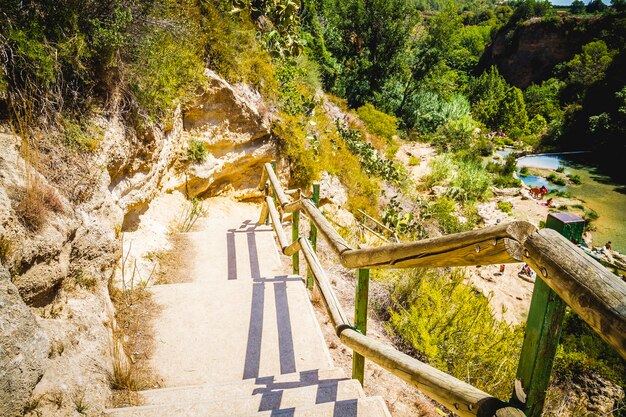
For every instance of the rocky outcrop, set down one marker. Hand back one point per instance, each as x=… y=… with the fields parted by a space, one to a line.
x=527 y=53
x=24 y=348
x=233 y=125
x=62 y=267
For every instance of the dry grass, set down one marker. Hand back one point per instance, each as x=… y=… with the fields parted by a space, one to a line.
x=133 y=337
x=133 y=344
x=173 y=264
x=33 y=204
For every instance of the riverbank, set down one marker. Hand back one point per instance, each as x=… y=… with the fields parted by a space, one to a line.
x=596 y=192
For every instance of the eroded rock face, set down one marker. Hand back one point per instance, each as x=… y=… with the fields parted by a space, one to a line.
x=233 y=124
x=530 y=52
x=24 y=347
x=61 y=269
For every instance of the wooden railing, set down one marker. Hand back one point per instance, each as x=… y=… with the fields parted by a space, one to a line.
x=566 y=276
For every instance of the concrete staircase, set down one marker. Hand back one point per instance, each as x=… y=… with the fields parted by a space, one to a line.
x=241 y=338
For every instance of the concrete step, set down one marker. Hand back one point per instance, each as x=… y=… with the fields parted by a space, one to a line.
x=361 y=407
x=351 y=407
x=215 y=333
x=323 y=378
x=229 y=403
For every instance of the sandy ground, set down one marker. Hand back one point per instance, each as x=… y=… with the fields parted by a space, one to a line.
x=422 y=152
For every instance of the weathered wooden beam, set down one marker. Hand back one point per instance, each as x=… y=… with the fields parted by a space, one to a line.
x=315 y=199
x=263 y=179
x=336 y=242
x=275 y=183
x=495 y=244
x=295 y=233
x=360 y=320
x=594 y=293
x=458 y=396
x=337 y=315
x=276 y=223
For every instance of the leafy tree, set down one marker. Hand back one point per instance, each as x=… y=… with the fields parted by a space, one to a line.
x=596 y=6
x=512 y=113
x=618 y=5
x=487 y=93
x=525 y=9
x=372 y=37
x=577 y=7
x=432 y=53
x=543 y=99
x=589 y=66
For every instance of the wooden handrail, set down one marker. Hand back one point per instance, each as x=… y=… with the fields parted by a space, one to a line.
x=603 y=309
x=455 y=394
x=595 y=294
x=461 y=397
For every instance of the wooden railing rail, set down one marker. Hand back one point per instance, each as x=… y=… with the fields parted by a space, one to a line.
x=595 y=294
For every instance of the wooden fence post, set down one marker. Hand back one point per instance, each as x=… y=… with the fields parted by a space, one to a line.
x=543 y=330
x=313 y=233
x=360 y=320
x=295 y=234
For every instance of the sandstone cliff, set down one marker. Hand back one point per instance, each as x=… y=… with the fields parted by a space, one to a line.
x=57 y=316
x=528 y=52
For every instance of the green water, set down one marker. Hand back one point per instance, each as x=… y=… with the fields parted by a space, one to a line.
x=598 y=192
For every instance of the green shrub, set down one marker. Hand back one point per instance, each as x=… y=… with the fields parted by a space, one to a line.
x=560 y=169
x=456 y=134
x=82 y=136
x=505 y=206
x=167 y=71
x=296 y=149
x=196 y=152
x=575 y=179
x=372 y=163
x=523 y=172
x=582 y=352
x=440 y=170
x=453 y=326
x=472 y=181
x=377 y=122
x=554 y=179
x=413 y=161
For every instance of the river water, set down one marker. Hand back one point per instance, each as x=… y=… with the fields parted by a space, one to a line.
x=598 y=191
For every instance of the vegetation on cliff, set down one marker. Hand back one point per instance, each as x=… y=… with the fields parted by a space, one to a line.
x=407 y=69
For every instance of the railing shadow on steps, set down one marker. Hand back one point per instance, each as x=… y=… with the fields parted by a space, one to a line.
x=566 y=276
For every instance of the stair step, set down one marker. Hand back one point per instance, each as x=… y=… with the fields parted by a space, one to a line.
x=361 y=407
x=242 y=388
x=195 y=402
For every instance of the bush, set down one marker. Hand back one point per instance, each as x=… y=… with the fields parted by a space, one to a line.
x=196 y=152
x=453 y=326
x=582 y=352
x=377 y=122
x=413 y=161
x=472 y=181
x=440 y=170
x=524 y=172
x=371 y=162
x=296 y=149
x=560 y=169
x=554 y=179
x=456 y=134
x=575 y=179
x=505 y=206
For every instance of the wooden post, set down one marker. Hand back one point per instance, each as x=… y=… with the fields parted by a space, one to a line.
x=543 y=329
x=313 y=233
x=271 y=192
x=295 y=234
x=360 y=320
